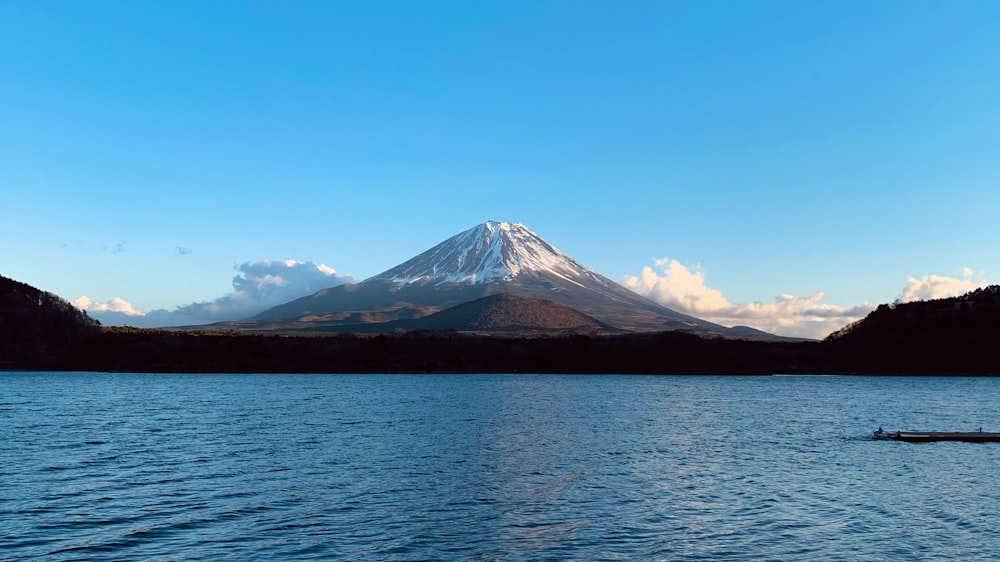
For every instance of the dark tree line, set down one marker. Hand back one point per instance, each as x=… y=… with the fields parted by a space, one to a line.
x=429 y=351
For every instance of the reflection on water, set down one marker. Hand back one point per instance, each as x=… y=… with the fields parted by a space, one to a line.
x=492 y=467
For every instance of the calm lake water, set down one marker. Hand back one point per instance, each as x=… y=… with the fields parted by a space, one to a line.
x=98 y=466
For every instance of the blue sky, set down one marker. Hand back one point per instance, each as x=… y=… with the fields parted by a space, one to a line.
x=153 y=151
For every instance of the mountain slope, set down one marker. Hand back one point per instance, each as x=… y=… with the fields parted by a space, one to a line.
x=495 y=313
x=509 y=313
x=489 y=259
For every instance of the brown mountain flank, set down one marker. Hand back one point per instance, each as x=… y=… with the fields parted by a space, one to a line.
x=508 y=313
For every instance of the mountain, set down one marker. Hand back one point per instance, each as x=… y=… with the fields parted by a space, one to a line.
x=489 y=259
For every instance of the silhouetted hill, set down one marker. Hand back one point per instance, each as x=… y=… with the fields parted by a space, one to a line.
x=37 y=327
x=506 y=312
x=959 y=334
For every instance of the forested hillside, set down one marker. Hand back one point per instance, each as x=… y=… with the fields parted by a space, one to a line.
x=959 y=335
x=37 y=327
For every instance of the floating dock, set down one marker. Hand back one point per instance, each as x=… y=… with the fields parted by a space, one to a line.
x=930 y=436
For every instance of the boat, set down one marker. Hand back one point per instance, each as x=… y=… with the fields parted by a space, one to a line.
x=930 y=436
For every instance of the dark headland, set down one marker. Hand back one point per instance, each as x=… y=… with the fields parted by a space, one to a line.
x=960 y=335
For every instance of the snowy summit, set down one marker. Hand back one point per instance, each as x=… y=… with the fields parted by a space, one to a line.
x=489 y=252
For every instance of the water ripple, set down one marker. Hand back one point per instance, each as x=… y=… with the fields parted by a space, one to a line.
x=168 y=467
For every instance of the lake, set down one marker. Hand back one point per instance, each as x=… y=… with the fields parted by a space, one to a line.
x=100 y=466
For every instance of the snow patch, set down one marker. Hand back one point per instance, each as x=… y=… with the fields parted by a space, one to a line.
x=490 y=252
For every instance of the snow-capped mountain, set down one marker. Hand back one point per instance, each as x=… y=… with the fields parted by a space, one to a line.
x=488 y=259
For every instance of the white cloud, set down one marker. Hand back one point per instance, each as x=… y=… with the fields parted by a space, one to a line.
x=258 y=286
x=114 y=305
x=684 y=290
x=939 y=287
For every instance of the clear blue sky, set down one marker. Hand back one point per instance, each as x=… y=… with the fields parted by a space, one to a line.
x=784 y=147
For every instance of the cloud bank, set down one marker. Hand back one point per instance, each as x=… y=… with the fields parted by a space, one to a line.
x=257 y=287
x=681 y=289
x=938 y=287
x=115 y=305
